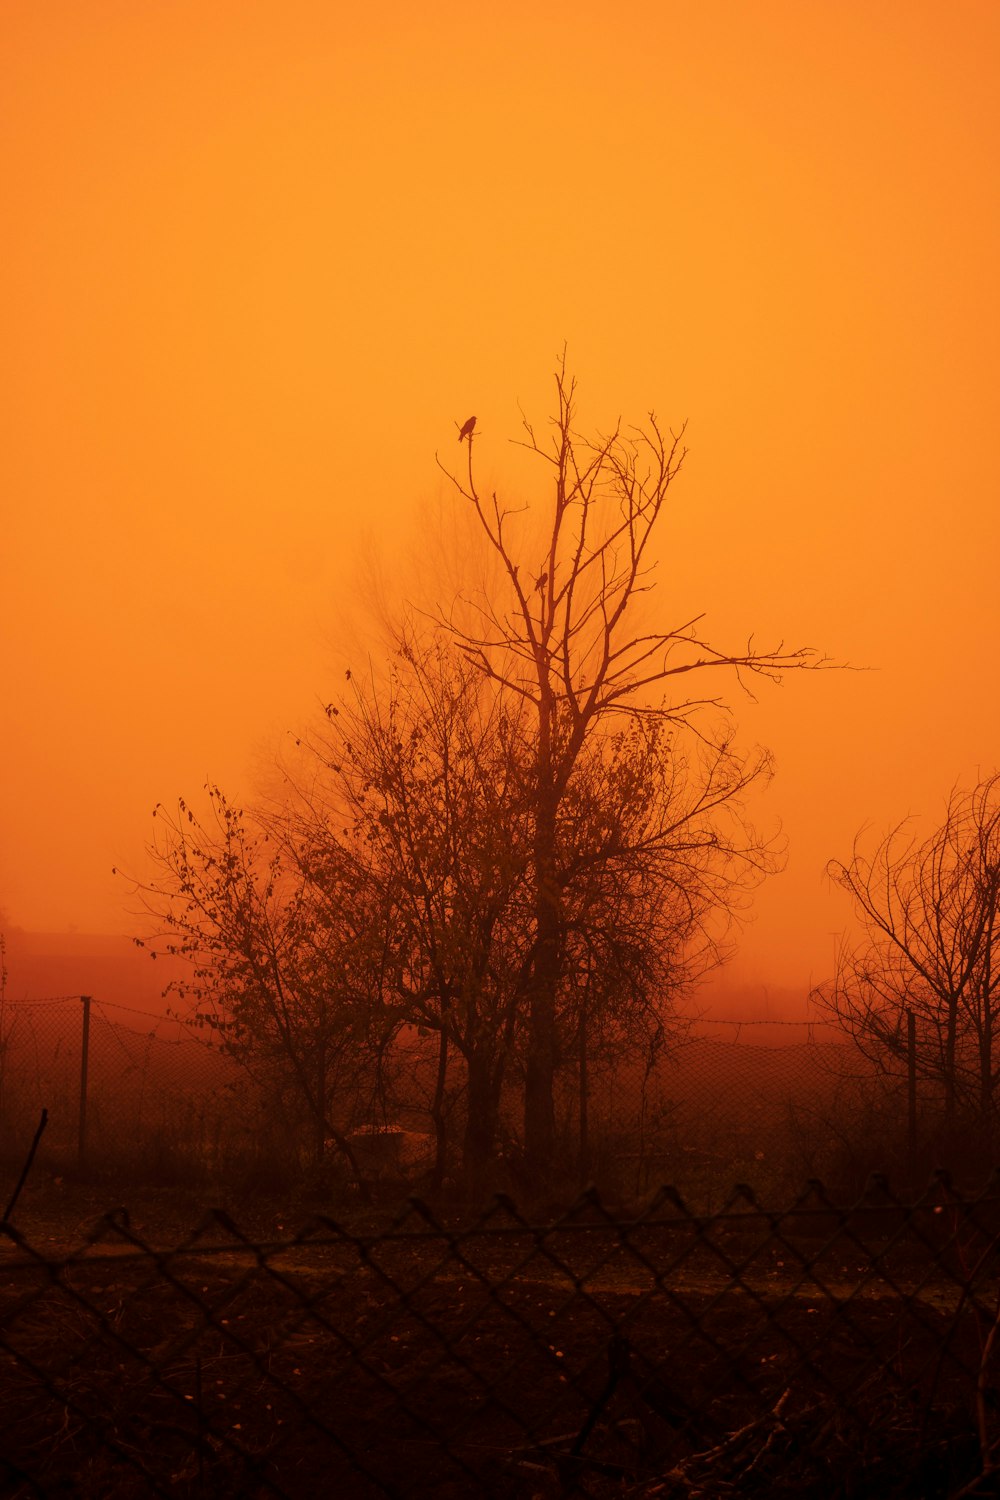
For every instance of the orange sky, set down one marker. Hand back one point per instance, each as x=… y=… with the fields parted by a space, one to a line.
x=258 y=257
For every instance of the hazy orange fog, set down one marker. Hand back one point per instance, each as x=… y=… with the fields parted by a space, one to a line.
x=260 y=257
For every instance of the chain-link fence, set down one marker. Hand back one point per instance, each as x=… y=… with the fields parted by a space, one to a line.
x=811 y=1351
x=768 y=1103
x=41 y=1047
x=157 y=1099
x=715 y=1106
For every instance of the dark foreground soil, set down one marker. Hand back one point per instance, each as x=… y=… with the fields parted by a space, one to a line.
x=422 y=1361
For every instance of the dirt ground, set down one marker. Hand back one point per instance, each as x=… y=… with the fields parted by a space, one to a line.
x=402 y=1358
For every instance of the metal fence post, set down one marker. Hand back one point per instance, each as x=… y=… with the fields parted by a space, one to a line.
x=81 y=1137
x=911 y=1086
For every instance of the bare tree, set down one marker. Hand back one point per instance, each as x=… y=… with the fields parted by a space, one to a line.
x=285 y=969
x=930 y=909
x=562 y=635
x=524 y=840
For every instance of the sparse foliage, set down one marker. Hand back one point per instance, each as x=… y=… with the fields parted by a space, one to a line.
x=427 y=775
x=930 y=910
x=283 y=967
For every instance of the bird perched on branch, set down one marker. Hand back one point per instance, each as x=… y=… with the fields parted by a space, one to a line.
x=466 y=431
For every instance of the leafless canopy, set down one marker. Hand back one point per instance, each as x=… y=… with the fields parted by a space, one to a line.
x=930 y=909
x=565 y=628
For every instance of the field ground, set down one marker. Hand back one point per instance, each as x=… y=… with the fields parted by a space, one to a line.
x=415 y=1357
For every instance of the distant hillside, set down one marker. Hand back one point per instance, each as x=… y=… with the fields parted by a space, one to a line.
x=41 y=965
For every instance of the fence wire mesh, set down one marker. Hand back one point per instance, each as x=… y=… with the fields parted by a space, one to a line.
x=157 y=1099
x=815 y=1350
x=770 y=1105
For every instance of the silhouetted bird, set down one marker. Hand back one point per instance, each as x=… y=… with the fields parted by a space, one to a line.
x=541 y=581
x=466 y=431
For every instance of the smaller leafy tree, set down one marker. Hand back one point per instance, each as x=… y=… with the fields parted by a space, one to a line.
x=284 y=967
x=425 y=774
x=930 y=913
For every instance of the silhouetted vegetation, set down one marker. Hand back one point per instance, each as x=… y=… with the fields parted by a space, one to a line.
x=921 y=991
x=520 y=841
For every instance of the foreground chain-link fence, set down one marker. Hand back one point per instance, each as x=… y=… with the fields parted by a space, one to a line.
x=811 y=1351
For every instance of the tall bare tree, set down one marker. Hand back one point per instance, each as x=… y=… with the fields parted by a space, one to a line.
x=930 y=912
x=563 y=635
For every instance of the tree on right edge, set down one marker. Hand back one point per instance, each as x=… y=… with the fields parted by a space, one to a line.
x=929 y=909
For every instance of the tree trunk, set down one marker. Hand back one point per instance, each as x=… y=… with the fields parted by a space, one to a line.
x=540 y=1064
x=485 y=1077
x=437 y=1115
x=584 y=1159
x=951 y=1036
x=320 y=1112
x=986 y=1059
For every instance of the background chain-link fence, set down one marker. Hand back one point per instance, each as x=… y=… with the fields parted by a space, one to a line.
x=768 y=1103
x=117 y=1095
x=811 y=1351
